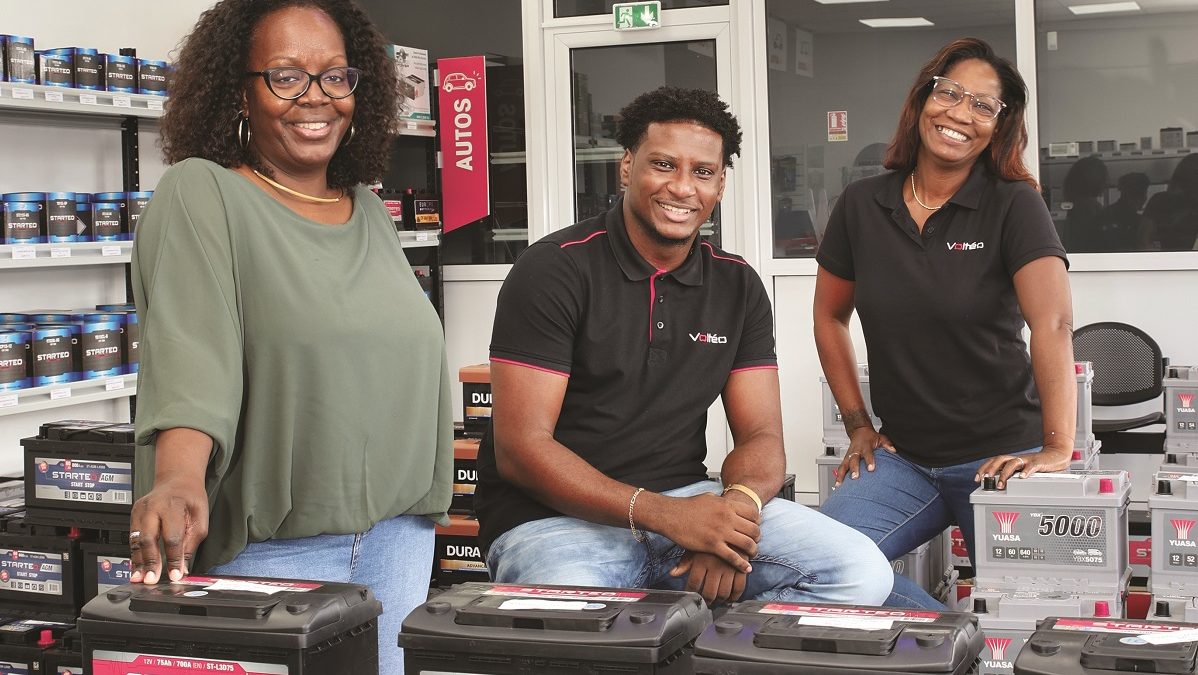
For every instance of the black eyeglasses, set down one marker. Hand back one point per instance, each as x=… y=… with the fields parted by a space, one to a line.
x=950 y=93
x=291 y=83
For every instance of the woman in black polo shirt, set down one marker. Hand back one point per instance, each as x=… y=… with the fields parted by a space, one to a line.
x=944 y=258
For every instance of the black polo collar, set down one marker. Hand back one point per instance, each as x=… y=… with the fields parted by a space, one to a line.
x=634 y=266
x=890 y=195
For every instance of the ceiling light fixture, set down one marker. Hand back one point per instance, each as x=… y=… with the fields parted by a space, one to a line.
x=1105 y=8
x=897 y=23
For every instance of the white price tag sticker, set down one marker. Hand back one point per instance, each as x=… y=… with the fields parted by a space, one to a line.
x=26 y=94
x=60 y=252
x=109 y=251
x=56 y=394
x=411 y=125
x=114 y=385
x=54 y=96
x=422 y=236
x=1190 y=635
x=23 y=253
x=122 y=101
x=8 y=400
x=154 y=105
x=88 y=99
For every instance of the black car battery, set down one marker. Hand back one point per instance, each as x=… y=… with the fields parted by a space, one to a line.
x=1068 y=646
x=476 y=398
x=465 y=474
x=456 y=554
x=66 y=656
x=232 y=625
x=502 y=629
x=105 y=567
x=39 y=568
x=23 y=643
x=774 y=638
x=80 y=466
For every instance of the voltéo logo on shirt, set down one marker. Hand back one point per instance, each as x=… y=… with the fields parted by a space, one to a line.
x=966 y=245
x=709 y=338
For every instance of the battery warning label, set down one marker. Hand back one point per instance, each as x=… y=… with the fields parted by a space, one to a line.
x=124 y=663
x=30 y=572
x=812 y=610
x=82 y=480
x=566 y=593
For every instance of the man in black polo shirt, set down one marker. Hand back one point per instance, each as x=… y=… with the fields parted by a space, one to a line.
x=612 y=339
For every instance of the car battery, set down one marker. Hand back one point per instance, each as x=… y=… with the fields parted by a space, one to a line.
x=476 y=398
x=826 y=467
x=23 y=643
x=465 y=474
x=768 y=638
x=1174 y=608
x=1173 y=509
x=456 y=554
x=1181 y=414
x=105 y=567
x=834 y=433
x=928 y=566
x=1083 y=435
x=1139 y=546
x=1180 y=462
x=38 y=571
x=1053 y=531
x=1069 y=646
x=80 y=466
x=958 y=554
x=787 y=491
x=232 y=625
x=548 y=630
x=1009 y=617
x=1086 y=458
x=66 y=656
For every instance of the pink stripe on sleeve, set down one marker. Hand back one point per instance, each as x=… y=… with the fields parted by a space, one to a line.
x=530 y=366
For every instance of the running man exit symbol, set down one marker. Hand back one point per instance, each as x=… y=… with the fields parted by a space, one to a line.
x=637 y=15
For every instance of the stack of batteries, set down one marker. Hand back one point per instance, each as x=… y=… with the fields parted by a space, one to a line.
x=42 y=348
x=1054 y=544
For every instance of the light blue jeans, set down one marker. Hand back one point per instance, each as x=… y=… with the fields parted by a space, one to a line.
x=901 y=504
x=802 y=556
x=394 y=558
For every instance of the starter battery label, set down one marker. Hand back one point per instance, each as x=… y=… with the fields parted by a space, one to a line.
x=105 y=662
x=111 y=571
x=81 y=480
x=566 y=593
x=10 y=668
x=1115 y=626
x=1063 y=536
x=811 y=610
x=30 y=572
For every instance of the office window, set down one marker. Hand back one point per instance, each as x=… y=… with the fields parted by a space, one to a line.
x=835 y=89
x=1118 y=93
x=564 y=8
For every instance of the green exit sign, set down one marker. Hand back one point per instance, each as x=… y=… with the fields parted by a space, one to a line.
x=637 y=15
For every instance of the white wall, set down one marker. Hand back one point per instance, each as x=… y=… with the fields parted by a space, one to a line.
x=43 y=154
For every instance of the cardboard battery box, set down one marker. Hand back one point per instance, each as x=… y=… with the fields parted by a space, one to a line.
x=411 y=70
x=1068 y=646
x=476 y=398
x=232 y=625
x=777 y=638
x=552 y=630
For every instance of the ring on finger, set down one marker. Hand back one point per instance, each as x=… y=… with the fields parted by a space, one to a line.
x=852 y=455
x=1022 y=462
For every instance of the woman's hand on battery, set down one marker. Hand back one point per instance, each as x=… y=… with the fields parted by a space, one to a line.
x=175 y=512
x=708 y=523
x=711 y=577
x=863 y=441
x=1025 y=465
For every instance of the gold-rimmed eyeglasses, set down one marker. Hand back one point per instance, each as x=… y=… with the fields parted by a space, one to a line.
x=950 y=93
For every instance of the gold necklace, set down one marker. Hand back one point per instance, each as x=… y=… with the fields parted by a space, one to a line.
x=318 y=200
x=913 y=194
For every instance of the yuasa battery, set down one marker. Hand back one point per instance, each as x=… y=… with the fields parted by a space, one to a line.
x=1173 y=509
x=826 y=466
x=1084 y=432
x=105 y=567
x=1068 y=646
x=465 y=474
x=476 y=398
x=834 y=433
x=1181 y=415
x=232 y=625
x=1180 y=462
x=550 y=630
x=768 y=638
x=80 y=465
x=22 y=645
x=66 y=656
x=38 y=571
x=1086 y=458
x=1174 y=608
x=1053 y=531
x=456 y=554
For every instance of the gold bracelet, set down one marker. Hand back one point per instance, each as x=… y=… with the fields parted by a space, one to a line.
x=636 y=534
x=746 y=490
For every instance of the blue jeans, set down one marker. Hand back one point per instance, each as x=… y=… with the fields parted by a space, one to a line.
x=802 y=556
x=394 y=558
x=900 y=505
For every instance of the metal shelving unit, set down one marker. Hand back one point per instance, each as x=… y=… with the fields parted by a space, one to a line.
x=66 y=254
x=67 y=393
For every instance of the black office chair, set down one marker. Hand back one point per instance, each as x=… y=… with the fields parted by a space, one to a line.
x=1128 y=369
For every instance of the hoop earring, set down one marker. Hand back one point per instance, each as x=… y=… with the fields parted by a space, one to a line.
x=349 y=138
x=244 y=133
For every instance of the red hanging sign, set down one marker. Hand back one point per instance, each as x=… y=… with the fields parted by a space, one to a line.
x=465 y=166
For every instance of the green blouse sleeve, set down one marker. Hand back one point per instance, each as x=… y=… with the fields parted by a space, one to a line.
x=187 y=303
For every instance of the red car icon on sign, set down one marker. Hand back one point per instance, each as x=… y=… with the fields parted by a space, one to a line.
x=458 y=81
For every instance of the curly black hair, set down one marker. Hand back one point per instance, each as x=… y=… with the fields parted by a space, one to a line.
x=674 y=104
x=205 y=97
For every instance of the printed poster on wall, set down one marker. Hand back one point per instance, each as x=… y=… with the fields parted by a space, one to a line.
x=462 y=112
x=775 y=34
x=838 y=125
x=804 y=53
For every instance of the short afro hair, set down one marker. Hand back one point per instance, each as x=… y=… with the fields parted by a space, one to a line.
x=205 y=95
x=674 y=104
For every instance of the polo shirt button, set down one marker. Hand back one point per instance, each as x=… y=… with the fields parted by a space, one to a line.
x=660 y=325
x=661 y=298
x=929 y=229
